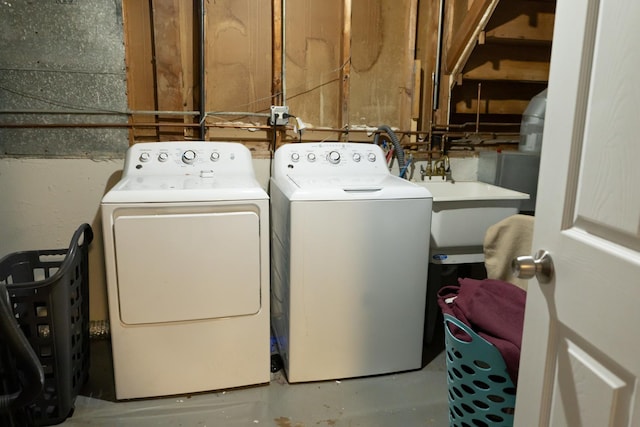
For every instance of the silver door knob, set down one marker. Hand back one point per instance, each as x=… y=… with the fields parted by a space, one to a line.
x=540 y=266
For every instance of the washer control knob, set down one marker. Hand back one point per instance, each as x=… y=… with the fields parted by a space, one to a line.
x=189 y=156
x=371 y=157
x=163 y=157
x=215 y=156
x=333 y=157
x=357 y=157
x=311 y=157
x=295 y=157
x=144 y=157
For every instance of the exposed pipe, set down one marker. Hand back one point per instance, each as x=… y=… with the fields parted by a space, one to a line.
x=201 y=30
x=436 y=79
x=100 y=125
x=137 y=113
x=105 y=113
x=345 y=69
x=276 y=58
x=478 y=108
x=471 y=124
x=236 y=113
x=438 y=129
x=283 y=76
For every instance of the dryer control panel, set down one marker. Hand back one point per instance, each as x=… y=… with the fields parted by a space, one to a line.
x=334 y=158
x=187 y=158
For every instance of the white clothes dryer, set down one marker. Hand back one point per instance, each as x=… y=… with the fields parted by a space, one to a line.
x=350 y=250
x=187 y=263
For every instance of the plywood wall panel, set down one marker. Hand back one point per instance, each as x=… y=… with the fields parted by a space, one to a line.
x=382 y=78
x=346 y=63
x=173 y=33
x=238 y=56
x=313 y=66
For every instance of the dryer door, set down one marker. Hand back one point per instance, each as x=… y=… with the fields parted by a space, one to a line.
x=178 y=266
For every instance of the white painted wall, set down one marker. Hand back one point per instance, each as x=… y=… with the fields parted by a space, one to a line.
x=43 y=201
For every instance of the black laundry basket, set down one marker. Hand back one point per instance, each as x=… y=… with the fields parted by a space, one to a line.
x=49 y=294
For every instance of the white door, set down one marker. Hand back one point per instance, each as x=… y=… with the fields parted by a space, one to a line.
x=581 y=347
x=189 y=264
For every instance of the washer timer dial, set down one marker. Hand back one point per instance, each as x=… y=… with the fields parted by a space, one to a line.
x=333 y=157
x=189 y=156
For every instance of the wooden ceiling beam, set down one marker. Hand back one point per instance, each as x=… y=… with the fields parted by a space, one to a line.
x=512 y=63
x=521 y=21
x=466 y=35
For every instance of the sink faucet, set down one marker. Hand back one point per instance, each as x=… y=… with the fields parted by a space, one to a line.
x=443 y=167
x=428 y=171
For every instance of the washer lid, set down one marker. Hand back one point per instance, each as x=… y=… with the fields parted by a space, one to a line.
x=364 y=182
x=354 y=187
x=188 y=188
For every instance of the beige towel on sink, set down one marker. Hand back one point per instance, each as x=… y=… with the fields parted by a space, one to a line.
x=504 y=241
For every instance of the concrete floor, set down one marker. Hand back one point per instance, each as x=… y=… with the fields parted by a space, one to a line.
x=416 y=398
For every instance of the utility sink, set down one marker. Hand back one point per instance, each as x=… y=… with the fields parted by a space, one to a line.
x=463 y=210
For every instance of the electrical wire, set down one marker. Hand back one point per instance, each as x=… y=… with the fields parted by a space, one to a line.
x=85 y=109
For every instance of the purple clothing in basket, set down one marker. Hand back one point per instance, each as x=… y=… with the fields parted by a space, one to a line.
x=494 y=310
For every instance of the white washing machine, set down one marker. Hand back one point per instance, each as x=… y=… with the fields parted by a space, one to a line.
x=350 y=250
x=186 y=237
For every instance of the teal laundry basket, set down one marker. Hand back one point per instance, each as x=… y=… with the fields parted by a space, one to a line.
x=481 y=392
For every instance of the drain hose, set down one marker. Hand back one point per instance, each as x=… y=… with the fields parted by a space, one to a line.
x=25 y=356
x=396 y=144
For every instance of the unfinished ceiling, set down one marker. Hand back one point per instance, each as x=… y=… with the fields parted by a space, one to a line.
x=346 y=64
x=344 y=67
x=127 y=71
